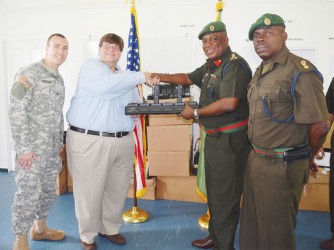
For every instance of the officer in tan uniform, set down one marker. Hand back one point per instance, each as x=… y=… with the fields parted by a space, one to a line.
x=223 y=112
x=36 y=120
x=287 y=126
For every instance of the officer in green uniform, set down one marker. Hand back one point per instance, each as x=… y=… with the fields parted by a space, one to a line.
x=287 y=126
x=223 y=113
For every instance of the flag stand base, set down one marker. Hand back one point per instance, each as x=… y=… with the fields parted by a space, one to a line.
x=203 y=221
x=135 y=215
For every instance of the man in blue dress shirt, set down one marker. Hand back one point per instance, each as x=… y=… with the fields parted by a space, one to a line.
x=100 y=145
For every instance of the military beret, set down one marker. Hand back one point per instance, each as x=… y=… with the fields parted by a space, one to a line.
x=212 y=27
x=265 y=21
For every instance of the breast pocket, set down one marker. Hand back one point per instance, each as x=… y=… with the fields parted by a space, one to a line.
x=270 y=96
x=277 y=100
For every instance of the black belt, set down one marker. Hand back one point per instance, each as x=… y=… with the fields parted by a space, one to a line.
x=92 y=132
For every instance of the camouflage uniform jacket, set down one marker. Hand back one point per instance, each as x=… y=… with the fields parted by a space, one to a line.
x=36 y=109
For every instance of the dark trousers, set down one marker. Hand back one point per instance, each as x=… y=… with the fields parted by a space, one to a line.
x=331 y=185
x=225 y=162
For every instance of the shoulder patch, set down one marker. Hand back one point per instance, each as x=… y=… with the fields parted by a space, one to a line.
x=24 y=81
x=303 y=65
x=19 y=90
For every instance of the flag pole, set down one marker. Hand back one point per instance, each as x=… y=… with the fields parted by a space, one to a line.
x=136 y=215
x=203 y=220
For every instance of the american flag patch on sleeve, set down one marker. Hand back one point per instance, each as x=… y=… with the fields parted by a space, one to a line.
x=25 y=81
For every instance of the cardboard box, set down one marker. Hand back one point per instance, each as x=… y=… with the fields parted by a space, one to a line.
x=321 y=177
x=167 y=120
x=315 y=195
x=169 y=138
x=177 y=188
x=169 y=163
x=150 y=189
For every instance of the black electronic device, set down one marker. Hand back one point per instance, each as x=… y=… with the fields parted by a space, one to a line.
x=165 y=91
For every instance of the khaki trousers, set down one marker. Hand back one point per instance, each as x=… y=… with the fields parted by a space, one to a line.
x=271 y=195
x=101 y=169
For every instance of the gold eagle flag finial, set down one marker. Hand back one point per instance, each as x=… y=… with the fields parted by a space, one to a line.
x=219 y=9
x=132 y=3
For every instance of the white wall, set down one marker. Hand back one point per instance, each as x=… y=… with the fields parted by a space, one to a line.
x=168 y=32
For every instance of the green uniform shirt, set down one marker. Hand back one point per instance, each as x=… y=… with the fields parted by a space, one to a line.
x=229 y=79
x=274 y=86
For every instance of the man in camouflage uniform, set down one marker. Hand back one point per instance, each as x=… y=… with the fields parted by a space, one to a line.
x=287 y=126
x=36 y=119
x=223 y=112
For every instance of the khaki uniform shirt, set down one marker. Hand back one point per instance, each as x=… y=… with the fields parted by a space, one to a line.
x=274 y=86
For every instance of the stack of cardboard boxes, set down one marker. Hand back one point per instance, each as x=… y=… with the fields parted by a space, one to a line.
x=169 y=140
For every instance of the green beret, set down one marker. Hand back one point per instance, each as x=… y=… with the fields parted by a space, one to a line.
x=212 y=27
x=265 y=21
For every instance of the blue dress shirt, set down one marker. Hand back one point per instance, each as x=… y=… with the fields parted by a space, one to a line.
x=101 y=96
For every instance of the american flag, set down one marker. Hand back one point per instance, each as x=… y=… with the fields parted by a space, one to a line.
x=133 y=64
x=133 y=61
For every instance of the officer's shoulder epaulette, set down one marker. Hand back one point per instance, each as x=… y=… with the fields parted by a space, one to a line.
x=235 y=57
x=303 y=65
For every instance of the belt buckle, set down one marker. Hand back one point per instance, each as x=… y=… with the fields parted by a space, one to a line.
x=285 y=157
x=215 y=132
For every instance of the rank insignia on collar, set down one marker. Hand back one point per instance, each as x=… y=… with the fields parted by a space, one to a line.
x=24 y=81
x=303 y=62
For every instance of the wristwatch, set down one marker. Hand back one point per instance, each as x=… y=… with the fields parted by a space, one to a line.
x=195 y=114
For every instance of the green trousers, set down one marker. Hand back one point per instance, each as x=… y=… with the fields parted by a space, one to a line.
x=225 y=162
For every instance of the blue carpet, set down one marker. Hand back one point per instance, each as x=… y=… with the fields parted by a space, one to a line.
x=172 y=224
